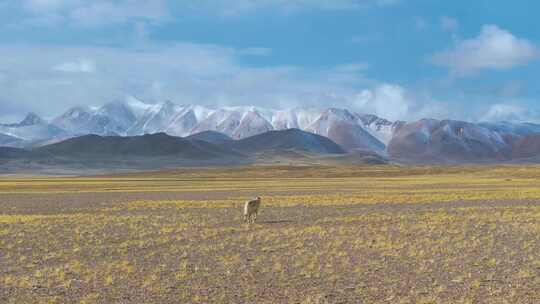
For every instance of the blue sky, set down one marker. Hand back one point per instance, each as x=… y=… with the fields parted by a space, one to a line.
x=400 y=59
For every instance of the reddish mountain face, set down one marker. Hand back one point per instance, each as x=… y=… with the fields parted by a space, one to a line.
x=526 y=147
x=433 y=140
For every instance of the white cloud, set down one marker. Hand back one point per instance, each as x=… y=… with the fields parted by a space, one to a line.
x=256 y=51
x=81 y=66
x=91 y=13
x=510 y=113
x=188 y=74
x=103 y=12
x=395 y=102
x=494 y=48
x=449 y=24
x=45 y=5
x=385 y=100
x=240 y=7
x=48 y=79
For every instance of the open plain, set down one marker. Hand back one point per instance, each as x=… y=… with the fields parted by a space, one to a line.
x=351 y=234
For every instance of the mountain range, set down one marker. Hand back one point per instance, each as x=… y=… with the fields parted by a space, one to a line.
x=133 y=117
x=160 y=150
x=338 y=130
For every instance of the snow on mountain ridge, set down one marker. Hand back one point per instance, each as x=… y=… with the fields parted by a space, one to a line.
x=132 y=116
x=353 y=131
x=345 y=128
x=112 y=118
x=251 y=123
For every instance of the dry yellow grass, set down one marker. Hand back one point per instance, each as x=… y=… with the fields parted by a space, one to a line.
x=326 y=235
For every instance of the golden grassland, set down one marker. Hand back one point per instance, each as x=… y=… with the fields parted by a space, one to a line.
x=311 y=185
x=374 y=234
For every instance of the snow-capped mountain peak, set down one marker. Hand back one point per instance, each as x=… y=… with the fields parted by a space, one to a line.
x=137 y=106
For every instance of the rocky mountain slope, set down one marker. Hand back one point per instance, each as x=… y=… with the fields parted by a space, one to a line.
x=430 y=140
x=424 y=140
x=133 y=117
x=282 y=140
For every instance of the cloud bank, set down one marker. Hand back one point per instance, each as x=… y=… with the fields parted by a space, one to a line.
x=510 y=113
x=50 y=79
x=494 y=49
x=98 y=13
x=81 y=66
x=240 y=7
x=93 y=13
